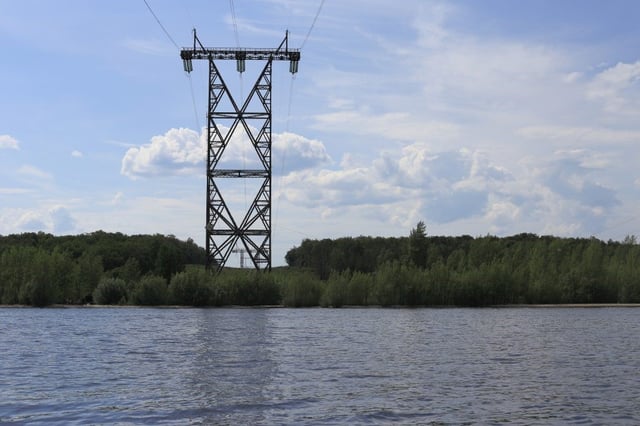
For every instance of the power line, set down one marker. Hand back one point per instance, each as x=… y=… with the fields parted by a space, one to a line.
x=282 y=164
x=235 y=23
x=237 y=37
x=312 y=24
x=161 y=26
x=193 y=97
x=284 y=154
x=195 y=108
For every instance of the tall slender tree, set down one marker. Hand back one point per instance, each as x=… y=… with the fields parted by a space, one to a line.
x=418 y=245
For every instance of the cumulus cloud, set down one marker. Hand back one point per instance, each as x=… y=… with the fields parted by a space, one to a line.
x=8 y=142
x=179 y=151
x=61 y=220
x=31 y=221
x=295 y=152
x=446 y=186
x=570 y=176
x=562 y=195
x=57 y=219
x=183 y=151
x=76 y=154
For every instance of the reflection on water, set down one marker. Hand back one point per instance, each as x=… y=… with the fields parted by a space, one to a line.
x=319 y=366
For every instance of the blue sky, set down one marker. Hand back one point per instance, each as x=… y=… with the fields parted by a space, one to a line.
x=493 y=117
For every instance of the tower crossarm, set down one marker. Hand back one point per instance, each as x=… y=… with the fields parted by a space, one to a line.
x=224 y=53
x=199 y=51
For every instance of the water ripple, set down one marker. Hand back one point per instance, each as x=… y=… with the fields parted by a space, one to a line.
x=319 y=366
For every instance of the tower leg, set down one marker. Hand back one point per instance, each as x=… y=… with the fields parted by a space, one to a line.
x=222 y=229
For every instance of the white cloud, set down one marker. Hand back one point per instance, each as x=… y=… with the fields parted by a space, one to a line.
x=563 y=195
x=570 y=176
x=21 y=220
x=183 y=151
x=295 y=152
x=56 y=219
x=76 y=154
x=616 y=87
x=179 y=151
x=9 y=142
x=61 y=220
x=31 y=221
x=447 y=185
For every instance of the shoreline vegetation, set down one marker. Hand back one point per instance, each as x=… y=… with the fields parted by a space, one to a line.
x=524 y=270
x=522 y=306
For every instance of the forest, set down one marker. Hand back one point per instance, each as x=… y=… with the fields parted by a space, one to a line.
x=102 y=268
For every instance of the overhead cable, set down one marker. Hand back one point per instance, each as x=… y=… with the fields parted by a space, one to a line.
x=312 y=24
x=235 y=23
x=161 y=26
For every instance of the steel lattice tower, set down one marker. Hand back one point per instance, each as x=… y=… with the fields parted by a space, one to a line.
x=253 y=231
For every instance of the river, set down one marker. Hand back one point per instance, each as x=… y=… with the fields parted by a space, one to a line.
x=319 y=366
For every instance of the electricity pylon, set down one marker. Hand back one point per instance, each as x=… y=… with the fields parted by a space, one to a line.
x=253 y=230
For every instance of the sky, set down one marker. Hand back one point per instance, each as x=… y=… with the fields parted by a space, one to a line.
x=494 y=117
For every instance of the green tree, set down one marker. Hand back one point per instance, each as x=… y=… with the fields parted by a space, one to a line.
x=150 y=290
x=335 y=289
x=38 y=293
x=359 y=289
x=110 y=291
x=418 y=245
x=168 y=261
x=85 y=277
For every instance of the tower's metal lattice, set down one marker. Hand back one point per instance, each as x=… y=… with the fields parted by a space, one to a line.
x=253 y=230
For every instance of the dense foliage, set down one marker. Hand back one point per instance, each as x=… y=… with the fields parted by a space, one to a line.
x=102 y=268
x=422 y=270
x=41 y=269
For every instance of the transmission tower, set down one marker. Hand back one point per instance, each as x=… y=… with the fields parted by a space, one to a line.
x=253 y=230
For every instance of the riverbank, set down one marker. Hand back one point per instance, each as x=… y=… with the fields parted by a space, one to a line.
x=511 y=306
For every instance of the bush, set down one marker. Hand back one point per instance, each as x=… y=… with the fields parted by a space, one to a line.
x=150 y=290
x=335 y=289
x=300 y=289
x=359 y=289
x=390 y=284
x=110 y=291
x=193 y=287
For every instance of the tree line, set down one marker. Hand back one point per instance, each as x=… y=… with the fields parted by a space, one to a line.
x=418 y=270
x=41 y=269
x=466 y=271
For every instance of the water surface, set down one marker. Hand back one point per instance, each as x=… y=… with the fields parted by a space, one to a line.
x=319 y=366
